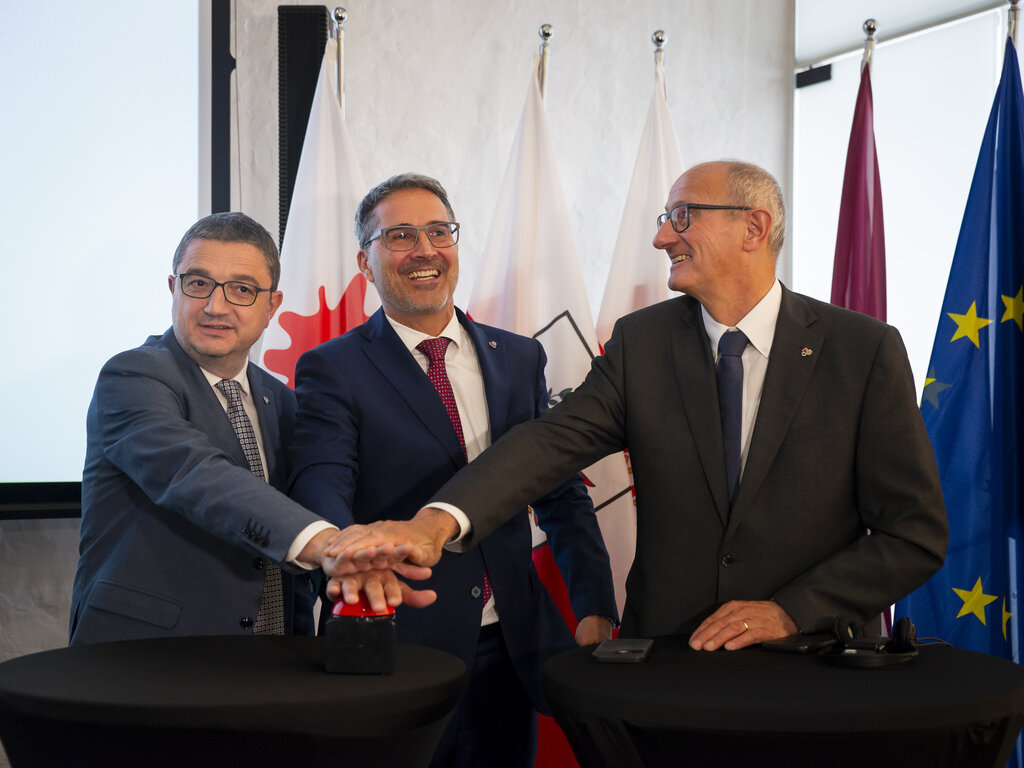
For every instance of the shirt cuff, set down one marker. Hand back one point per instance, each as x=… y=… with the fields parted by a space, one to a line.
x=453 y=544
x=302 y=540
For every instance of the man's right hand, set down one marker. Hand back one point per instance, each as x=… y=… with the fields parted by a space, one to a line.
x=393 y=543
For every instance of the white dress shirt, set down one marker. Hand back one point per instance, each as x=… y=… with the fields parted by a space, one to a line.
x=759 y=327
x=467 y=380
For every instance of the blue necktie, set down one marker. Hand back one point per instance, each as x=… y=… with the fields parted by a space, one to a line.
x=730 y=401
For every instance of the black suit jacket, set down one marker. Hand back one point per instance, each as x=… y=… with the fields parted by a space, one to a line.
x=373 y=441
x=838 y=448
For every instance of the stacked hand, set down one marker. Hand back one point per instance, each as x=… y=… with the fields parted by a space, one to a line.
x=370 y=558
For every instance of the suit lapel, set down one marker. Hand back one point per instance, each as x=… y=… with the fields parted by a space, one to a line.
x=204 y=409
x=270 y=430
x=785 y=381
x=695 y=373
x=390 y=356
x=494 y=367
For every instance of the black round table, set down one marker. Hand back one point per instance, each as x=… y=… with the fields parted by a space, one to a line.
x=949 y=707
x=222 y=701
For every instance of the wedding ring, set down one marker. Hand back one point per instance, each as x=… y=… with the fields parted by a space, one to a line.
x=745 y=625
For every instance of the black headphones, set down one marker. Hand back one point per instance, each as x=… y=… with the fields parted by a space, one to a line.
x=852 y=649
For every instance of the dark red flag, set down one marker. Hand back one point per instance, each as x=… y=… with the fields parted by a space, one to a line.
x=858 y=277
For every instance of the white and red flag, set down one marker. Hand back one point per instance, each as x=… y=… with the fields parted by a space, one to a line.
x=530 y=283
x=639 y=271
x=324 y=292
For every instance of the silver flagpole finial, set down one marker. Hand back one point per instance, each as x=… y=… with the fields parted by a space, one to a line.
x=658 y=38
x=545 y=32
x=1012 y=26
x=870 y=27
x=340 y=16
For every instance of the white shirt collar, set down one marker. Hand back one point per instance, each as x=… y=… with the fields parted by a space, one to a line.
x=242 y=377
x=411 y=337
x=758 y=324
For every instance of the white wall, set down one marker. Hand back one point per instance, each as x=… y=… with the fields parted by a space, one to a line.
x=439 y=89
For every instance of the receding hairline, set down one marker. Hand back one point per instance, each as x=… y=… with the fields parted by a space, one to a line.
x=742 y=181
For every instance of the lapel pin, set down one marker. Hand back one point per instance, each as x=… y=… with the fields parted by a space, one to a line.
x=805 y=352
x=266 y=400
x=492 y=344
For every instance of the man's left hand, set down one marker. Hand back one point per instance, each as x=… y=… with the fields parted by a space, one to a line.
x=592 y=630
x=740 y=623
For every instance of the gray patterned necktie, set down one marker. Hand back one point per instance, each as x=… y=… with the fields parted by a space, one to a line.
x=270 y=619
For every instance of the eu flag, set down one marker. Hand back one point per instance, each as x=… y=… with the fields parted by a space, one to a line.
x=973 y=400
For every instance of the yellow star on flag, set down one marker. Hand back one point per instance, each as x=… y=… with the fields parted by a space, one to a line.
x=968 y=325
x=974 y=601
x=1006 y=617
x=1014 y=308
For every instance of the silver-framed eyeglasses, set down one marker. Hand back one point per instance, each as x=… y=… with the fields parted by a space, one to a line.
x=441 y=234
x=680 y=214
x=236 y=292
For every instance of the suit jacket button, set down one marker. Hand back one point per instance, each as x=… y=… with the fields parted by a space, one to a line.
x=257 y=563
x=727 y=560
x=245 y=623
x=476 y=591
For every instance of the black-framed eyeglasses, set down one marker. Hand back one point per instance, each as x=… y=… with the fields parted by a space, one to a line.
x=235 y=291
x=441 y=234
x=680 y=214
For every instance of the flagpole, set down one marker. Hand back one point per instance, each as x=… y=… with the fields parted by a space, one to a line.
x=658 y=38
x=340 y=15
x=870 y=27
x=545 y=32
x=1012 y=27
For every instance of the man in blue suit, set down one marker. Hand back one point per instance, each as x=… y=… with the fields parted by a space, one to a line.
x=183 y=530
x=395 y=407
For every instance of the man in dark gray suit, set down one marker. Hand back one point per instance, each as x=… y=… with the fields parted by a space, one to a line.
x=183 y=530
x=829 y=504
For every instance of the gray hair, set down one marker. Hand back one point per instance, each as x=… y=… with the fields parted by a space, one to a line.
x=364 y=213
x=754 y=187
x=233 y=227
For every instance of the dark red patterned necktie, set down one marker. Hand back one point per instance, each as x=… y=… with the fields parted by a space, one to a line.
x=435 y=350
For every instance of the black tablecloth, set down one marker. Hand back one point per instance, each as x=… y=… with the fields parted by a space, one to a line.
x=754 y=707
x=222 y=701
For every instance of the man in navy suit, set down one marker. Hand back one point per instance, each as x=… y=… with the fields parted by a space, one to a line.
x=183 y=530
x=381 y=427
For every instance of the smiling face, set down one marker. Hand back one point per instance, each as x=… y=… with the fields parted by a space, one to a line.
x=416 y=287
x=212 y=331
x=708 y=258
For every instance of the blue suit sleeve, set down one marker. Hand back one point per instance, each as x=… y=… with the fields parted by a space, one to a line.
x=324 y=454
x=152 y=428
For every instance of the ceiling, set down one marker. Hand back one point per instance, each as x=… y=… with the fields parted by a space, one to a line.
x=825 y=28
